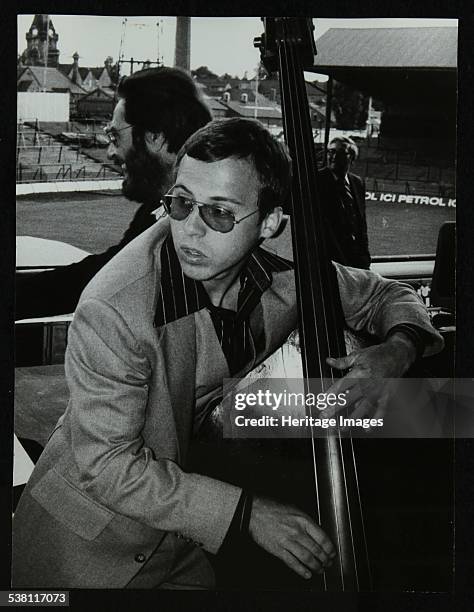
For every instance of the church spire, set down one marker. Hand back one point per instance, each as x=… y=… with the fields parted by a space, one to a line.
x=41 y=41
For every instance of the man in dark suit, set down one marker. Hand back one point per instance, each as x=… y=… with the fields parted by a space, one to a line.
x=157 y=110
x=343 y=199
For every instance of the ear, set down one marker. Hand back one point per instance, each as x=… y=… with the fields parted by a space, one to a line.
x=155 y=142
x=271 y=223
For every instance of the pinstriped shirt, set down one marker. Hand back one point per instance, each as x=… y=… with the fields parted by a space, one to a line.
x=181 y=296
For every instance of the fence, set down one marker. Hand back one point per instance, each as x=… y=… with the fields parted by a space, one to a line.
x=410 y=187
x=399 y=171
x=403 y=168
x=42 y=157
x=63 y=172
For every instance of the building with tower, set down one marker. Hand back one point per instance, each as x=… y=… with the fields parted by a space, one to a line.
x=41 y=43
x=39 y=70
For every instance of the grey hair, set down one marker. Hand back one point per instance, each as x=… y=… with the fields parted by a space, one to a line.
x=349 y=144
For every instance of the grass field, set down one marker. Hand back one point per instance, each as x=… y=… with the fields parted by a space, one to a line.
x=405 y=229
x=95 y=221
x=91 y=222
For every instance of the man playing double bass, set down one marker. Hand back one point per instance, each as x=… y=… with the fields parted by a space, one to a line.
x=193 y=300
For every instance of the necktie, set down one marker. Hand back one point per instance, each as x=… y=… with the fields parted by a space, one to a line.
x=347 y=202
x=233 y=328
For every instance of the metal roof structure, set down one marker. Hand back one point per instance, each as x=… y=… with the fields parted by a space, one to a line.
x=428 y=47
x=392 y=64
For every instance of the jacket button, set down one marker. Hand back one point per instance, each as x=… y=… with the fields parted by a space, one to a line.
x=140 y=557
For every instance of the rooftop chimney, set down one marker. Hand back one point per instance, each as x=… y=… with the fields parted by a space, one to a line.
x=182 y=56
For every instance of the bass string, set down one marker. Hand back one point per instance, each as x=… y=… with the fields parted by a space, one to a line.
x=299 y=225
x=289 y=61
x=304 y=226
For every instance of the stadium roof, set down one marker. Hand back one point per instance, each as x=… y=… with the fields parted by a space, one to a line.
x=428 y=47
x=393 y=64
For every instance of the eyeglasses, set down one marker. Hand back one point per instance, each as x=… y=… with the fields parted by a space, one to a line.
x=111 y=133
x=338 y=153
x=218 y=219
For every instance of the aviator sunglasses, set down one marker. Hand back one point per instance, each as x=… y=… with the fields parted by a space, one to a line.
x=218 y=219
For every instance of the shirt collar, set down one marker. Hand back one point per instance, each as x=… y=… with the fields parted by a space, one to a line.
x=180 y=296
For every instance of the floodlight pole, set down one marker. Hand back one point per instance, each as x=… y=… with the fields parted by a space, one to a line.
x=327 y=127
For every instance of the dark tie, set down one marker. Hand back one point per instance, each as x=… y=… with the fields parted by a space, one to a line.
x=347 y=202
x=233 y=328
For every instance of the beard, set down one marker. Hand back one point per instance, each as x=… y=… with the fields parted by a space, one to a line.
x=147 y=176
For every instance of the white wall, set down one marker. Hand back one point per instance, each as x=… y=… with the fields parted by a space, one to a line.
x=43 y=106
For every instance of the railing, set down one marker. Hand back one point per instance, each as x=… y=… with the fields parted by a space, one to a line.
x=31 y=173
x=41 y=176
x=30 y=153
x=408 y=171
x=64 y=173
x=401 y=171
x=407 y=257
x=410 y=187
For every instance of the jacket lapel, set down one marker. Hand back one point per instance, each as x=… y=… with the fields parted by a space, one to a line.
x=279 y=312
x=355 y=193
x=178 y=344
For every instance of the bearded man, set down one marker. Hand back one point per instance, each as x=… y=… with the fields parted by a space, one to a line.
x=157 y=110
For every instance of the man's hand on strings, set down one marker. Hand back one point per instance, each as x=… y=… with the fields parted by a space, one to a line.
x=367 y=386
x=291 y=535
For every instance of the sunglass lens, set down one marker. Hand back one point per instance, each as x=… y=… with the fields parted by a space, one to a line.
x=217 y=219
x=179 y=208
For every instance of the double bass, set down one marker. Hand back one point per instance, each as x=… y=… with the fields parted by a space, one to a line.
x=317 y=475
x=404 y=493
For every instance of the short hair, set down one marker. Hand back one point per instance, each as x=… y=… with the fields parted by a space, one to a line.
x=164 y=100
x=248 y=139
x=349 y=144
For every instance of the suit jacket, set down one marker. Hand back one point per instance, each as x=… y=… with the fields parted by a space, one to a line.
x=110 y=488
x=57 y=291
x=342 y=247
x=109 y=485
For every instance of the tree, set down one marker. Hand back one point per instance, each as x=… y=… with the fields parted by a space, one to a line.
x=203 y=72
x=350 y=107
x=114 y=73
x=262 y=72
x=112 y=69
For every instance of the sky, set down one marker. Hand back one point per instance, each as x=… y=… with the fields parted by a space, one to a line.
x=221 y=44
